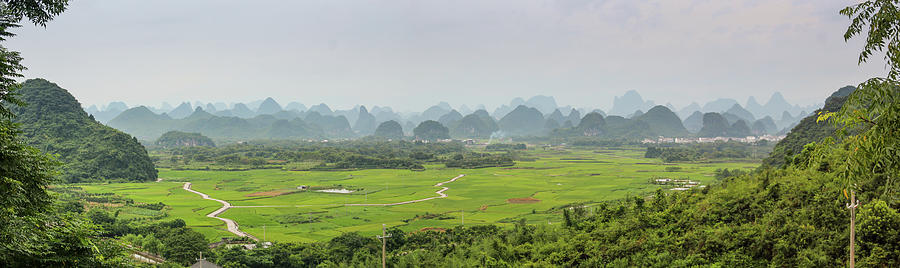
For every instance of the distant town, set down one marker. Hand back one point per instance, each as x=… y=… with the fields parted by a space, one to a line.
x=748 y=139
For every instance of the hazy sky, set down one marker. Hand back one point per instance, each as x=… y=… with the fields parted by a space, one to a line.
x=411 y=54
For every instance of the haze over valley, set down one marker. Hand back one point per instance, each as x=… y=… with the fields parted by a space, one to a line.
x=509 y=133
x=773 y=117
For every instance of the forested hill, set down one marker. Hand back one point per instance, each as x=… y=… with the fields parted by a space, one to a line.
x=795 y=216
x=54 y=122
x=183 y=139
x=808 y=130
x=144 y=124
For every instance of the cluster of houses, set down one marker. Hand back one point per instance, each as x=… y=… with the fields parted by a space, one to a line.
x=679 y=185
x=748 y=139
x=417 y=139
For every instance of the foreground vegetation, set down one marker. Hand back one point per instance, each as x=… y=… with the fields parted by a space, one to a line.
x=790 y=214
x=789 y=217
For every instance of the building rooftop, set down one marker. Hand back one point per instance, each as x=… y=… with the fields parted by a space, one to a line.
x=203 y=263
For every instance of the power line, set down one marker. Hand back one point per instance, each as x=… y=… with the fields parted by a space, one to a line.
x=383 y=238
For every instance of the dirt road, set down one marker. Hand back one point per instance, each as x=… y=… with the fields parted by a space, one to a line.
x=231 y=224
x=440 y=193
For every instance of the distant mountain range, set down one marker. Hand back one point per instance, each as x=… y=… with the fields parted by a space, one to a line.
x=630 y=103
x=809 y=129
x=538 y=115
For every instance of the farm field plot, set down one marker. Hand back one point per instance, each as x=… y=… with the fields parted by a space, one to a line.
x=269 y=204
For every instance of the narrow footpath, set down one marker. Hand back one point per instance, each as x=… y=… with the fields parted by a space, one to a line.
x=231 y=224
x=440 y=193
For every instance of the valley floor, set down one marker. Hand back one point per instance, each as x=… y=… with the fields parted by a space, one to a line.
x=269 y=203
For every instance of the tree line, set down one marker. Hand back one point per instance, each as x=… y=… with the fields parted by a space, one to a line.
x=338 y=155
x=709 y=151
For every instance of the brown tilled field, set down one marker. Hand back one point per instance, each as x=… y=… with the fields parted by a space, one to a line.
x=526 y=200
x=270 y=193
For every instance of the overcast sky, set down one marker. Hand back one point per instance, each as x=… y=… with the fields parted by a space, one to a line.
x=411 y=54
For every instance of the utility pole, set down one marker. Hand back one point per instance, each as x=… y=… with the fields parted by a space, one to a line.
x=852 y=206
x=754 y=149
x=383 y=238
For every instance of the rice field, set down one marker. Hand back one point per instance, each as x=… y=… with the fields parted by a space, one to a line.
x=271 y=204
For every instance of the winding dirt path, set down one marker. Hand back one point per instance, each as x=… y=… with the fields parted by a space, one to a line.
x=231 y=224
x=440 y=193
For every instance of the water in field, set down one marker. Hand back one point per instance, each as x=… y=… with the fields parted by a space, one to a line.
x=335 y=191
x=495 y=195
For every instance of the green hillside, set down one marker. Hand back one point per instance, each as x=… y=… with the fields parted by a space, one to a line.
x=332 y=126
x=595 y=125
x=591 y=125
x=144 y=124
x=389 y=130
x=663 y=122
x=808 y=130
x=522 y=121
x=795 y=216
x=291 y=129
x=764 y=126
x=54 y=122
x=431 y=130
x=714 y=125
x=365 y=122
x=183 y=139
x=473 y=126
x=617 y=127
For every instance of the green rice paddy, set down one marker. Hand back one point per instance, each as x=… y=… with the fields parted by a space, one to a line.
x=556 y=177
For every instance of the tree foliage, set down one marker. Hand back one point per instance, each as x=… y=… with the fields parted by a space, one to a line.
x=522 y=121
x=479 y=160
x=788 y=217
x=714 y=125
x=356 y=154
x=663 y=122
x=810 y=129
x=176 y=138
x=871 y=115
x=431 y=130
x=389 y=130
x=54 y=122
x=473 y=126
x=878 y=20
x=879 y=234
x=707 y=151
x=33 y=231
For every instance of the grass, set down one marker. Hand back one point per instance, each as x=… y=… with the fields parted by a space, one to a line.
x=556 y=178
